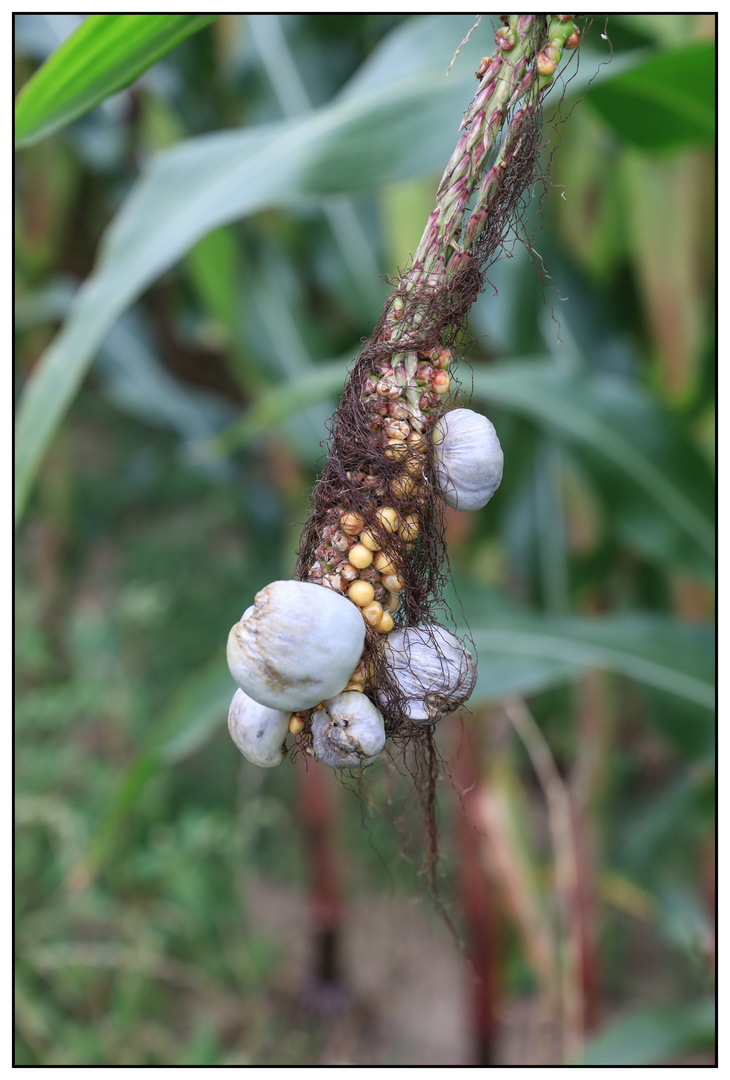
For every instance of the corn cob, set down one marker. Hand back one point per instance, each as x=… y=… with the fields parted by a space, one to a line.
x=375 y=532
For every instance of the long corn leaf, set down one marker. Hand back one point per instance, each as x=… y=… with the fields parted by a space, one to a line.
x=661 y=652
x=664 y=103
x=561 y=649
x=105 y=54
x=617 y=425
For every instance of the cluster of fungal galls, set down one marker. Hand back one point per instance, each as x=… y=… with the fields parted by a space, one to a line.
x=299 y=646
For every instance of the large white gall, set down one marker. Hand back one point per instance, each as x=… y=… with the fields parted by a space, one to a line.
x=433 y=668
x=297 y=646
x=468 y=459
x=258 y=732
x=347 y=731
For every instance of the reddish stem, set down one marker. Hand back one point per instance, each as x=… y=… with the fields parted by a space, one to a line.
x=476 y=902
x=583 y=919
x=316 y=816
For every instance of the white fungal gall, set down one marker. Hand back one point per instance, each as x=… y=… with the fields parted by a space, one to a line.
x=298 y=646
x=434 y=670
x=348 y=731
x=258 y=732
x=468 y=459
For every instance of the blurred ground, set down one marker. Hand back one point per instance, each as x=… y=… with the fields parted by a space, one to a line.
x=406 y=987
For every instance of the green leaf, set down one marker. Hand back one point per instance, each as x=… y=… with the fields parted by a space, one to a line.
x=197 y=712
x=664 y=103
x=280 y=402
x=383 y=130
x=212 y=265
x=619 y=431
x=521 y=650
x=653 y=1036
x=106 y=53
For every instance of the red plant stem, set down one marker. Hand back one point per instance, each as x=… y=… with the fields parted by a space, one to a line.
x=325 y=900
x=584 y=783
x=476 y=901
x=583 y=918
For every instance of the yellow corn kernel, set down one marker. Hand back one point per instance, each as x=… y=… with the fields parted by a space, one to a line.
x=360 y=556
x=296 y=724
x=396 y=449
x=402 y=486
x=392 y=583
x=384 y=563
x=351 y=523
x=409 y=527
x=369 y=541
x=361 y=593
x=388 y=518
x=386 y=623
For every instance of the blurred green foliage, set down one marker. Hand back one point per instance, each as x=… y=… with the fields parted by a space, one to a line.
x=105 y=54
x=246 y=196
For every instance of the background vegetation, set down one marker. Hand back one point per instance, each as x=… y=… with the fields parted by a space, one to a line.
x=233 y=212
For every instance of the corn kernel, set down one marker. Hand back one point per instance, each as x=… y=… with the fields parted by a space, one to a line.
x=361 y=593
x=388 y=518
x=386 y=623
x=368 y=540
x=402 y=486
x=396 y=449
x=360 y=556
x=373 y=613
x=351 y=523
x=383 y=563
x=409 y=527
